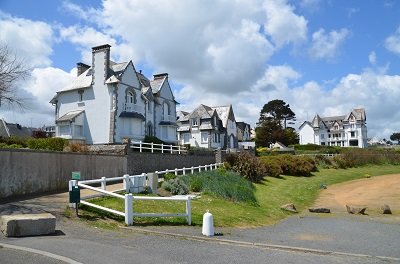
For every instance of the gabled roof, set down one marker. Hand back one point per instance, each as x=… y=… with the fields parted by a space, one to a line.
x=202 y=111
x=157 y=84
x=82 y=81
x=305 y=123
x=70 y=116
x=242 y=125
x=182 y=116
x=10 y=129
x=358 y=113
x=224 y=113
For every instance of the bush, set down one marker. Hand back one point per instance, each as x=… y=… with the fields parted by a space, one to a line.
x=169 y=176
x=324 y=162
x=355 y=157
x=14 y=140
x=153 y=139
x=247 y=165
x=272 y=168
x=176 y=186
x=55 y=144
x=222 y=183
x=290 y=165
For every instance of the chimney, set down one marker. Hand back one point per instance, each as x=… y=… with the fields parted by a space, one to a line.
x=160 y=76
x=101 y=62
x=81 y=68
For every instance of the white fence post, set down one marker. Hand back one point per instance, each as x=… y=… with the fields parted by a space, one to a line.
x=152 y=147
x=162 y=148
x=205 y=167
x=184 y=171
x=192 y=170
x=126 y=184
x=199 y=168
x=140 y=146
x=103 y=183
x=179 y=149
x=171 y=149
x=71 y=185
x=189 y=210
x=176 y=171
x=128 y=209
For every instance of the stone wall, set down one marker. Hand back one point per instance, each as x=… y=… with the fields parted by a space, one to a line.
x=29 y=172
x=149 y=162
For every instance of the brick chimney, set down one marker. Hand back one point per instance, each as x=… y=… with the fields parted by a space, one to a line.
x=100 y=62
x=81 y=68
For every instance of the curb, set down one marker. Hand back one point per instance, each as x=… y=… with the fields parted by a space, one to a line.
x=40 y=252
x=259 y=245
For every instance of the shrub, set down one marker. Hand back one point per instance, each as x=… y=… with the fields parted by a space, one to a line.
x=355 y=157
x=153 y=139
x=176 y=186
x=324 y=161
x=247 y=165
x=55 y=144
x=14 y=140
x=272 y=168
x=169 y=176
x=291 y=165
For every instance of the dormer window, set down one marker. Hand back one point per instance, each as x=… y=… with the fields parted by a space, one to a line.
x=131 y=98
x=195 y=122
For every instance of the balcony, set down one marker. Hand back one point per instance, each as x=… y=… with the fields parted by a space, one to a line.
x=130 y=107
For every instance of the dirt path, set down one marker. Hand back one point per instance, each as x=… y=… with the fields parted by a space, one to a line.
x=370 y=192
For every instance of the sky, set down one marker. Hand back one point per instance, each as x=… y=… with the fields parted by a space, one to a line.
x=319 y=56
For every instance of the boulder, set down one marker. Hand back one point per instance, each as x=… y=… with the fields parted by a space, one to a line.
x=385 y=209
x=355 y=210
x=289 y=207
x=319 y=210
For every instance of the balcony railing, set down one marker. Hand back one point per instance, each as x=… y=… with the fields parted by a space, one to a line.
x=130 y=107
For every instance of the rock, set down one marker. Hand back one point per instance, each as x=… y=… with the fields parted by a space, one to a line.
x=355 y=210
x=319 y=210
x=385 y=209
x=289 y=207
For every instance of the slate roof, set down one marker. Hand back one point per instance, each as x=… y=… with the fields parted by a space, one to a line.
x=82 y=81
x=328 y=122
x=157 y=84
x=242 y=125
x=10 y=129
x=223 y=113
x=70 y=116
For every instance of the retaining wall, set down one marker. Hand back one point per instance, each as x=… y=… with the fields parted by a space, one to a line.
x=28 y=171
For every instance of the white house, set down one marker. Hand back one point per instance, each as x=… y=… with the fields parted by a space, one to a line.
x=346 y=131
x=110 y=101
x=208 y=127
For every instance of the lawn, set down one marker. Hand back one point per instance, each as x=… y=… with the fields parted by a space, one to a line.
x=270 y=194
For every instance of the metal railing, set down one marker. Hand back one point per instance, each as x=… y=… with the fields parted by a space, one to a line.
x=129 y=199
x=153 y=147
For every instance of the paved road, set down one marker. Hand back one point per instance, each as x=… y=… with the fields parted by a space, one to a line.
x=86 y=244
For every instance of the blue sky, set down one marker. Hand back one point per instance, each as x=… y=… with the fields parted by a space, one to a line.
x=323 y=57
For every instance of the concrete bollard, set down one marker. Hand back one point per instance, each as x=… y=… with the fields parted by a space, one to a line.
x=208 y=224
x=153 y=182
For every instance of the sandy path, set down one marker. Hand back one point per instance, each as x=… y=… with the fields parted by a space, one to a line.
x=370 y=192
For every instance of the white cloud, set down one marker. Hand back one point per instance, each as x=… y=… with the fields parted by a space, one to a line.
x=30 y=40
x=372 y=57
x=283 y=25
x=392 y=43
x=326 y=45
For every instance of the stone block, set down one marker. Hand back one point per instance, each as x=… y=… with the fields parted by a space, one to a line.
x=355 y=210
x=385 y=209
x=319 y=210
x=289 y=207
x=19 y=225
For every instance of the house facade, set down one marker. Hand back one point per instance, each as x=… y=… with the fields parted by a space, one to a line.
x=110 y=101
x=345 y=131
x=208 y=127
x=243 y=131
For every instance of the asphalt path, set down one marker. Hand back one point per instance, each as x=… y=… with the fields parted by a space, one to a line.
x=299 y=239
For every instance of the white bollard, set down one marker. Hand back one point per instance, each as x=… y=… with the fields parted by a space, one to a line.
x=208 y=224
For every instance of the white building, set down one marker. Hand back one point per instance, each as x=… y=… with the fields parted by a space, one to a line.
x=208 y=127
x=110 y=101
x=346 y=131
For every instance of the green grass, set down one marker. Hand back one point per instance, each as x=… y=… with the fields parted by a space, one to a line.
x=270 y=195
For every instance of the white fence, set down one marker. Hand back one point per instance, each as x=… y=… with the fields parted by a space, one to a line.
x=158 y=147
x=325 y=155
x=129 y=199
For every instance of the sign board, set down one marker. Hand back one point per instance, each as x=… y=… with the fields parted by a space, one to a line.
x=76 y=175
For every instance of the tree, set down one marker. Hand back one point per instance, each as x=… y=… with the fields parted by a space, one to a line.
x=12 y=70
x=268 y=132
x=278 y=110
x=395 y=136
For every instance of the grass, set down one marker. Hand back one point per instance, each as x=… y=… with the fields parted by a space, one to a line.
x=270 y=195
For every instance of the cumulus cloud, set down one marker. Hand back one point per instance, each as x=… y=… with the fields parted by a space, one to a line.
x=283 y=25
x=392 y=43
x=30 y=40
x=326 y=45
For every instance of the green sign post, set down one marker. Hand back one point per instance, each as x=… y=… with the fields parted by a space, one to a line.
x=76 y=175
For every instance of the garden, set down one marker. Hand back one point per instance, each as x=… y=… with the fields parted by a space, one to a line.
x=248 y=191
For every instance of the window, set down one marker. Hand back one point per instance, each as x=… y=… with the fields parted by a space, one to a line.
x=352 y=134
x=322 y=136
x=195 y=122
x=167 y=108
x=186 y=138
x=204 y=137
x=64 y=130
x=130 y=97
x=217 y=138
x=80 y=93
x=78 y=131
